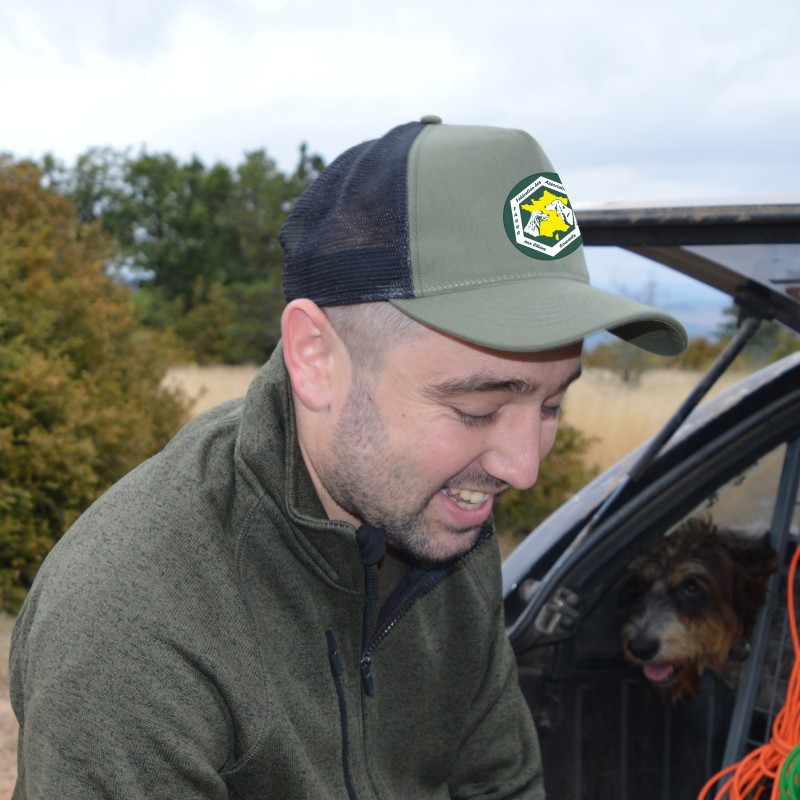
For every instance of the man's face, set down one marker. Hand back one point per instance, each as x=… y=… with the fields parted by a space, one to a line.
x=424 y=447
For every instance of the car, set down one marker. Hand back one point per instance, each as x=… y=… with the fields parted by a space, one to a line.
x=604 y=732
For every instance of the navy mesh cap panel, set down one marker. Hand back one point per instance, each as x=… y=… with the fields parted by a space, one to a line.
x=346 y=239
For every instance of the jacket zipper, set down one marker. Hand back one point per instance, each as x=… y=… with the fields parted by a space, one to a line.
x=371 y=547
x=402 y=606
x=420 y=582
x=417 y=583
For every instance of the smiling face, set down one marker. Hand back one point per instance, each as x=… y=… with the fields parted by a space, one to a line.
x=423 y=445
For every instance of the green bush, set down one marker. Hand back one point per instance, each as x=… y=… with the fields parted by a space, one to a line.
x=80 y=396
x=234 y=324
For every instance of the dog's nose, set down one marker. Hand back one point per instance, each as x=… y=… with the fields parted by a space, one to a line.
x=643 y=647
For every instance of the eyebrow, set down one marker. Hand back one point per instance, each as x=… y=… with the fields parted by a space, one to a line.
x=478 y=384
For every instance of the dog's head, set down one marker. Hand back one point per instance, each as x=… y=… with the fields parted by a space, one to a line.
x=691 y=601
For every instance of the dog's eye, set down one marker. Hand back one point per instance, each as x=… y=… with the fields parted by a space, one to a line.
x=691 y=596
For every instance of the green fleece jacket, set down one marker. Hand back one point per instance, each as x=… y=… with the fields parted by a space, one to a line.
x=200 y=633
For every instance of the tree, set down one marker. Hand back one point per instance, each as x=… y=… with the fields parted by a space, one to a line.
x=698 y=356
x=236 y=324
x=80 y=397
x=96 y=184
x=200 y=243
x=770 y=342
x=168 y=226
x=259 y=201
x=622 y=359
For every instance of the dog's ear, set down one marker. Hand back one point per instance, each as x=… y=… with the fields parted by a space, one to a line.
x=757 y=556
x=756 y=560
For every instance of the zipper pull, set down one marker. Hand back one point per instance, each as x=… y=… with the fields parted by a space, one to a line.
x=371 y=544
x=366 y=676
x=333 y=654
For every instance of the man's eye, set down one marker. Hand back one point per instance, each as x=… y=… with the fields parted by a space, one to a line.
x=551 y=412
x=473 y=419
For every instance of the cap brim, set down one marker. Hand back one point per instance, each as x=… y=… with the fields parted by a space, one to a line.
x=544 y=314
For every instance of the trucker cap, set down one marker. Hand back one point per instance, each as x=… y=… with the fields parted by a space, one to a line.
x=467 y=229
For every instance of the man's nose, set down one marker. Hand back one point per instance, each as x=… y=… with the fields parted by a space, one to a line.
x=516 y=452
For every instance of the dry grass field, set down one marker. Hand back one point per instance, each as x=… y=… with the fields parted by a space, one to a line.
x=616 y=416
x=8 y=723
x=206 y=387
x=620 y=417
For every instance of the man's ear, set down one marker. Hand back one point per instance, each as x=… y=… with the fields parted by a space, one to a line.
x=312 y=352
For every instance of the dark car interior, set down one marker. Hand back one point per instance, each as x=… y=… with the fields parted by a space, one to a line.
x=604 y=731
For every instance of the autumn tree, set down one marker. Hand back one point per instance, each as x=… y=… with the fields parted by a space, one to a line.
x=80 y=397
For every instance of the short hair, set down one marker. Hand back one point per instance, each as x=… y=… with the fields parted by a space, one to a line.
x=369 y=330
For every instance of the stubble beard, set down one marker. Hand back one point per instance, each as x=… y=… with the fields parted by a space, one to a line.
x=373 y=484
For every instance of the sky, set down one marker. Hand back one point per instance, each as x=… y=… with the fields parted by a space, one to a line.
x=632 y=101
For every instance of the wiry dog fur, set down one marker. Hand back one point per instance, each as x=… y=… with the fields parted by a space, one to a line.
x=691 y=602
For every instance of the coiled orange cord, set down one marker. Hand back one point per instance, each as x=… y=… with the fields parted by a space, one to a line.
x=758 y=772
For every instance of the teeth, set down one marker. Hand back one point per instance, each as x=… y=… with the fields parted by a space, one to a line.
x=466 y=499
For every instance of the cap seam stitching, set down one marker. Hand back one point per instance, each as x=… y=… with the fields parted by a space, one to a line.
x=415 y=264
x=517 y=276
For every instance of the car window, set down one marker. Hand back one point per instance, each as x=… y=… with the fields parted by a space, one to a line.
x=748 y=502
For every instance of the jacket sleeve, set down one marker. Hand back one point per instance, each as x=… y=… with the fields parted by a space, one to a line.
x=111 y=706
x=499 y=758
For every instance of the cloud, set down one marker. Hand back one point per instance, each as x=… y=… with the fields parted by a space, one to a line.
x=629 y=100
x=71 y=35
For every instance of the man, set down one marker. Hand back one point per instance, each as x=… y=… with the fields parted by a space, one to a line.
x=300 y=596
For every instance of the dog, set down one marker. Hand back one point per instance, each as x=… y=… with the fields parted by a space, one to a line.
x=691 y=602
x=564 y=212
x=537 y=218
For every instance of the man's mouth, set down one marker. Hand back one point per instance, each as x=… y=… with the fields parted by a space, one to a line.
x=466 y=499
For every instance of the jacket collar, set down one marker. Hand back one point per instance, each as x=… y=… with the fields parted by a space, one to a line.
x=267 y=444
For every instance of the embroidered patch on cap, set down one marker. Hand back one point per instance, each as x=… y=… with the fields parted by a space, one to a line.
x=538 y=217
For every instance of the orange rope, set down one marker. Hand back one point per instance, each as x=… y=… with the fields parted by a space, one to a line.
x=751 y=777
